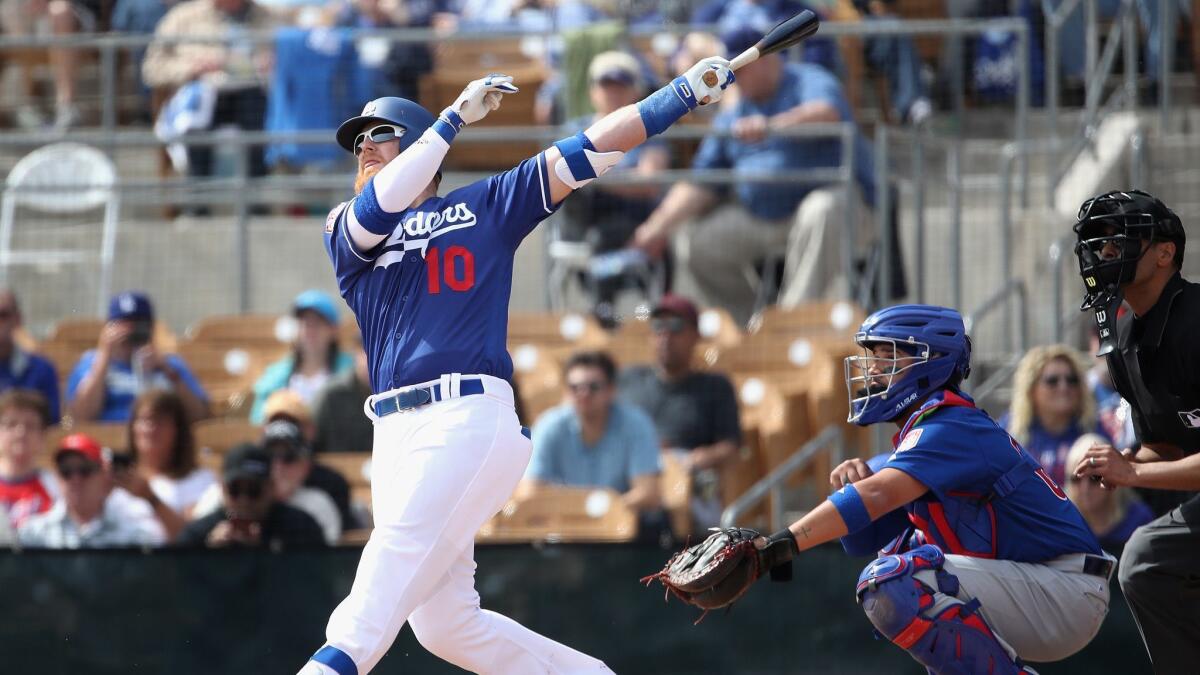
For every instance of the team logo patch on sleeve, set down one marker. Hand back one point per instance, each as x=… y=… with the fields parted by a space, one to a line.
x=331 y=219
x=910 y=440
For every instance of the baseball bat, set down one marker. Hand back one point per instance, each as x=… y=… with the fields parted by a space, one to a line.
x=786 y=34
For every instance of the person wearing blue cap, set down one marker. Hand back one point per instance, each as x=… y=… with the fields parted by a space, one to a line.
x=755 y=219
x=125 y=362
x=316 y=355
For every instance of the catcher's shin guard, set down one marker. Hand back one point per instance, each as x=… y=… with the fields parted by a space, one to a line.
x=954 y=641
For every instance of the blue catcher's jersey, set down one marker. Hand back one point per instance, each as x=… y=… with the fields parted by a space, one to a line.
x=432 y=298
x=987 y=497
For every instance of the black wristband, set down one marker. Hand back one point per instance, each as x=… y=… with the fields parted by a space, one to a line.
x=785 y=535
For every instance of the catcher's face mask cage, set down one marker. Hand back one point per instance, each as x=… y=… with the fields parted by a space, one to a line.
x=879 y=382
x=1112 y=231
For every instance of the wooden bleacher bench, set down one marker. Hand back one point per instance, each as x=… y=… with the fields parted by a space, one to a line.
x=112 y=435
x=217 y=435
x=562 y=514
x=675 y=486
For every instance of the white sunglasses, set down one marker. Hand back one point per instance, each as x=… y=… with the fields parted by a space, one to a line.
x=379 y=134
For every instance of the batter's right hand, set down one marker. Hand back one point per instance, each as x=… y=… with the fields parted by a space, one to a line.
x=482 y=96
x=849 y=471
x=704 y=92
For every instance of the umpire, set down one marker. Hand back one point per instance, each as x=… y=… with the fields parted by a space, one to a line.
x=1130 y=247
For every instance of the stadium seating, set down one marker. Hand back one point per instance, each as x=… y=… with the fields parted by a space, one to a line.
x=217 y=435
x=562 y=514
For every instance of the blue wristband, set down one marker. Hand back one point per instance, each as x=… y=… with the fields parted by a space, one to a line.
x=851 y=508
x=448 y=124
x=664 y=107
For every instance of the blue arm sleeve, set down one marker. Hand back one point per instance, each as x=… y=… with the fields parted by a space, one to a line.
x=875 y=536
x=81 y=368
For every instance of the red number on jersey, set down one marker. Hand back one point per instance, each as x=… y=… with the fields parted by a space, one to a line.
x=449 y=269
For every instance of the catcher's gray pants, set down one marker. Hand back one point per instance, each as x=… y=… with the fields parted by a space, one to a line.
x=1160 y=576
x=1040 y=611
x=721 y=248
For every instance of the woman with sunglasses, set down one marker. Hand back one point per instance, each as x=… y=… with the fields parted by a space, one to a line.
x=429 y=278
x=1051 y=406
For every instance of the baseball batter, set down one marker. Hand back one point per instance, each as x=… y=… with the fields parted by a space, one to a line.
x=984 y=561
x=428 y=279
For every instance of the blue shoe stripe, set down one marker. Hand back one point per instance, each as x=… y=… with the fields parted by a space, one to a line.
x=336 y=659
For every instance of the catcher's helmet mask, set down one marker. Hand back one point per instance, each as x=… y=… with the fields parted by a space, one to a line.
x=1114 y=230
x=930 y=350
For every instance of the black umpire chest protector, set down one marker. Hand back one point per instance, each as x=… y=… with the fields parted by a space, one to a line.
x=1156 y=367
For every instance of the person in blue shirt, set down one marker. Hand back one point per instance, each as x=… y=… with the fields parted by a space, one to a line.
x=758 y=217
x=983 y=563
x=107 y=379
x=20 y=369
x=429 y=278
x=594 y=440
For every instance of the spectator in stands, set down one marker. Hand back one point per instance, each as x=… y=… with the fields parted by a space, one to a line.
x=315 y=355
x=341 y=425
x=1113 y=413
x=139 y=17
x=1050 y=408
x=895 y=57
x=1072 y=36
x=251 y=516
x=695 y=413
x=229 y=74
x=1112 y=513
x=49 y=18
x=764 y=218
x=25 y=490
x=285 y=405
x=125 y=364
x=606 y=215
x=19 y=368
x=291 y=464
x=91 y=514
x=395 y=67
x=162 y=467
x=595 y=440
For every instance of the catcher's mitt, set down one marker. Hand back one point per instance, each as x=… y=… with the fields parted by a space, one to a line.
x=720 y=569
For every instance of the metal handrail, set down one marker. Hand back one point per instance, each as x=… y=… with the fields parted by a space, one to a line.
x=1000 y=299
x=769 y=486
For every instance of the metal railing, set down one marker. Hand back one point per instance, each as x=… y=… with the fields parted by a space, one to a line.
x=1018 y=331
x=771 y=485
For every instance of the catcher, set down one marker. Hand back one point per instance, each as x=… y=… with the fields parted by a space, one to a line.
x=984 y=563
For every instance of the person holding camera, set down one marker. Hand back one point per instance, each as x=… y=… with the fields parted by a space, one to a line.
x=106 y=380
x=252 y=516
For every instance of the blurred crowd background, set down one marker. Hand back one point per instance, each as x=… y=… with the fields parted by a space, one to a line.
x=177 y=370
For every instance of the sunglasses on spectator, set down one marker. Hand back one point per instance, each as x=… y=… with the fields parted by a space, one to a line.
x=1055 y=380
x=81 y=469
x=668 y=324
x=380 y=134
x=248 y=489
x=286 y=455
x=588 y=387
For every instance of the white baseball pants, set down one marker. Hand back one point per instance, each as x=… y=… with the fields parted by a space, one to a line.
x=437 y=474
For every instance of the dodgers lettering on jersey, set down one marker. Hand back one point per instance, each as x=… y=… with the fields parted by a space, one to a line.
x=432 y=298
x=987 y=497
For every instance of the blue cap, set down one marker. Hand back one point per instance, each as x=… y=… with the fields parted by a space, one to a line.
x=316 y=301
x=739 y=40
x=130 y=306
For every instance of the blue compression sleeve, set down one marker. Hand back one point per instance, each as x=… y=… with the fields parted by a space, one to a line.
x=664 y=107
x=851 y=507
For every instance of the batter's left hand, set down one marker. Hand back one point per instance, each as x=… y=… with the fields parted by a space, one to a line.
x=1109 y=466
x=482 y=96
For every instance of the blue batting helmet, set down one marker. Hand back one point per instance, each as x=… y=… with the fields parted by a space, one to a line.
x=401 y=112
x=930 y=347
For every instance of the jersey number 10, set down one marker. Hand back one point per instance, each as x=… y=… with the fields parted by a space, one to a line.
x=457 y=277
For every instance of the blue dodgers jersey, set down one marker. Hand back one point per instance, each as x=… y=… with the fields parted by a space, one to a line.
x=987 y=497
x=432 y=298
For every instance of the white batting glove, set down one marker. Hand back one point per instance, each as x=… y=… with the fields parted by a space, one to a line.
x=712 y=90
x=482 y=96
